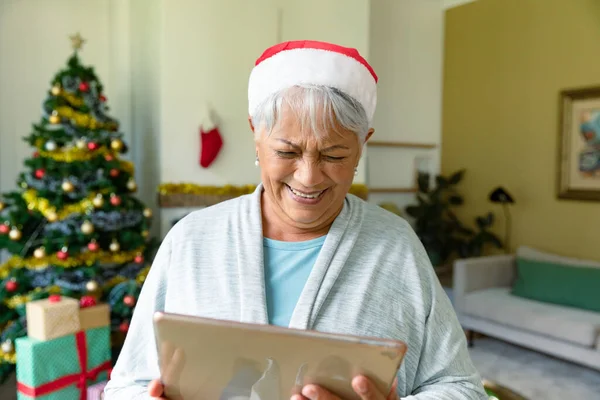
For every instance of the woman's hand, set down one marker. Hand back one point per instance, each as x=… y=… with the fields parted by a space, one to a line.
x=156 y=390
x=172 y=362
x=361 y=385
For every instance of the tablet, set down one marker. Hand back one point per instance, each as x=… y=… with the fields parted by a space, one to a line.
x=206 y=359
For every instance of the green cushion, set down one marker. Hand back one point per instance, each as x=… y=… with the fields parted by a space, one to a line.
x=573 y=286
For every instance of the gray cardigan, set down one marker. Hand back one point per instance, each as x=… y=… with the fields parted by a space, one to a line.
x=372 y=278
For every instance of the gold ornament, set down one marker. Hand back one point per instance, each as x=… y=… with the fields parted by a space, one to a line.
x=98 y=201
x=131 y=185
x=114 y=246
x=87 y=228
x=81 y=144
x=92 y=286
x=67 y=186
x=55 y=90
x=40 y=252
x=116 y=144
x=24 y=185
x=147 y=213
x=15 y=234
x=52 y=216
x=7 y=347
x=145 y=233
x=2 y=205
x=54 y=119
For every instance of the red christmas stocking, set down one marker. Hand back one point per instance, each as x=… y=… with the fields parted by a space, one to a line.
x=211 y=145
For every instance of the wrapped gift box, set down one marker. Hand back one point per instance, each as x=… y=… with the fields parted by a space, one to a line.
x=52 y=318
x=96 y=392
x=94 y=317
x=62 y=368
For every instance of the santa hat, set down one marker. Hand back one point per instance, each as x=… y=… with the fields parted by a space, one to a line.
x=311 y=62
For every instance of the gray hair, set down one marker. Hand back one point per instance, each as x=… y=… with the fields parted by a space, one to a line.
x=324 y=107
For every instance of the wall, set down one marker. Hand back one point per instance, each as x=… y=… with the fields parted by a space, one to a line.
x=406 y=50
x=505 y=63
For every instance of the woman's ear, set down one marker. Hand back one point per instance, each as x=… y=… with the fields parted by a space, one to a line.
x=369 y=134
x=251 y=124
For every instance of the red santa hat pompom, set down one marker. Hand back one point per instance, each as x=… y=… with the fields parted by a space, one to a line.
x=312 y=62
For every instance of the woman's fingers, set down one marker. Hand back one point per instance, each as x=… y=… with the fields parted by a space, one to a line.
x=361 y=385
x=394 y=391
x=156 y=389
x=367 y=390
x=314 y=392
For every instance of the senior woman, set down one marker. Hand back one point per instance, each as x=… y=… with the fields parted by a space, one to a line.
x=301 y=252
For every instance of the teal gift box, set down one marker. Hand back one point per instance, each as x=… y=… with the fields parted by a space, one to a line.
x=62 y=368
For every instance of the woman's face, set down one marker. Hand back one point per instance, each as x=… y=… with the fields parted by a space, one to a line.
x=306 y=176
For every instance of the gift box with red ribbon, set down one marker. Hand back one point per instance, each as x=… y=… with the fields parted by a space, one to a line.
x=62 y=368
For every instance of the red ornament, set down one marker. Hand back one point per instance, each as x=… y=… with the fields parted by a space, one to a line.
x=138 y=259
x=11 y=286
x=84 y=86
x=93 y=246
x=4 y=229
x=92 y=146
x=114 y=172
x=36 y=154
x=124 y=327
x=115 y=201
x=129 y=301
x=109 y=157
x=102 y=98
x=39 y=173
x=54 y=298
x=87 y=301
x=62 y=255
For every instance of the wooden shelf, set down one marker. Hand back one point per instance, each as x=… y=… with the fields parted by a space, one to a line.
x=393 y=190
x=405 y=145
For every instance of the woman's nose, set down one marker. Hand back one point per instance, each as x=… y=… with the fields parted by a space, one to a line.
x=309 y=173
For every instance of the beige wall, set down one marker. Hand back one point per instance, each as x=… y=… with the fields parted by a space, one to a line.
x=505 y=63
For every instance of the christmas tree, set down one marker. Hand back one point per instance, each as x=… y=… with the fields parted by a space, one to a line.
x=73 y=226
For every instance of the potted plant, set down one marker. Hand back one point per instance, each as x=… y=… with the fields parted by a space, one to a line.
x=443 y=235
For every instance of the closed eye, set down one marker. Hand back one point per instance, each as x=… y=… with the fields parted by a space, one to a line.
x=334 y=158
x=286 y=154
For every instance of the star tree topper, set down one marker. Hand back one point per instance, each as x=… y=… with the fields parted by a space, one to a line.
x=77 y=41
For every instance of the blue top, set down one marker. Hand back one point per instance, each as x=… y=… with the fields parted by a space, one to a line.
x=287 y=267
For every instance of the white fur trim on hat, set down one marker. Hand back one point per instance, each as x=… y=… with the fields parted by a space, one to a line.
x=317 y=63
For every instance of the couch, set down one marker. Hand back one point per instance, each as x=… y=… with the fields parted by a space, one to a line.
x=485 y=303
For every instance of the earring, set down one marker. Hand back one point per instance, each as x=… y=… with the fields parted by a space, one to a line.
x=256 y=162
x=355 y=171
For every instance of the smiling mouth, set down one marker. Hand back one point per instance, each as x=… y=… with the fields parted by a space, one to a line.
x=305 y=195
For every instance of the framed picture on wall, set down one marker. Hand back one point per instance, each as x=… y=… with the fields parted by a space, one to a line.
x=579 y=147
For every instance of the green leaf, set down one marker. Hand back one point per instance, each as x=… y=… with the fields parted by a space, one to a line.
x=456 y=200
x=457 y=177
x=414 y=211
x=423 y=182
x=441 y=182
x=494 y=240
